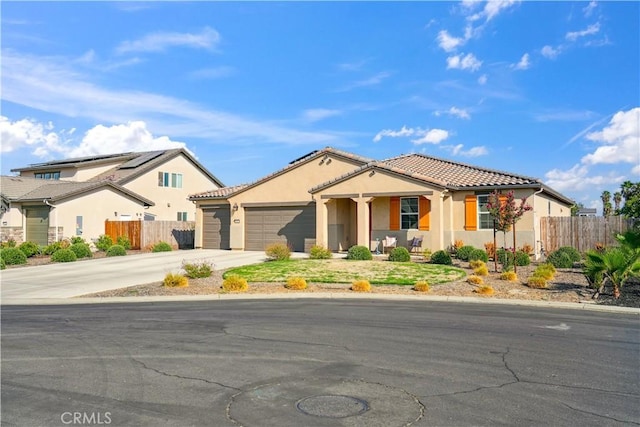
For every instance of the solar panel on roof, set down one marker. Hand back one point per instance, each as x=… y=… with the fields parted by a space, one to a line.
x=140 y=160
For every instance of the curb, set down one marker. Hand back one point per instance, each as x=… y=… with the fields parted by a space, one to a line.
x=321 y=295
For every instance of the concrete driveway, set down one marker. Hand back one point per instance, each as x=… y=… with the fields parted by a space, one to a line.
x=67 y=280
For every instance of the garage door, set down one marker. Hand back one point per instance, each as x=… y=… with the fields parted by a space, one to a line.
x=37 y=224
x=291 y=225
x=215 y=224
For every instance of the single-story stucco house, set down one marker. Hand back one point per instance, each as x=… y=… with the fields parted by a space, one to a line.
x=338 y=199
x=50 y=201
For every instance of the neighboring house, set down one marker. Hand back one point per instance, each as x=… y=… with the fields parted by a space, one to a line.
x=338 y=199
x=586 y=212
x=73 y=197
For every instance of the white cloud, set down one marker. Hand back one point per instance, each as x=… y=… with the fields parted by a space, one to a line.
x=468 y=62
x=133 y=136
x=316 y=114
x=26 y=132
x=577 y=179
x=449 y=43
x=424 y=136
x=494 y=7
x=550 y=52
x=591 y=29
x=454 y=111
x=432 y=136
x=458 y=150
x=482 y=79
x=371 y=81
x=588 y=9
x=523 y=64
x=53 y=85
x=620 y=140
x=208 y=39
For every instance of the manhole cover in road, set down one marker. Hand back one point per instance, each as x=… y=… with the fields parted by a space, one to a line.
x=332 y=406
x=321 y=402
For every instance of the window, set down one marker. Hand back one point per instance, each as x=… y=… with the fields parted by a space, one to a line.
x=182 y=216
x=47 y=175
x=166 y=179
x=409 y=213
x=485 y=220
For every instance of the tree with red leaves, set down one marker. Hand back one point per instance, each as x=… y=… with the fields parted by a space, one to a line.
x=505 y=212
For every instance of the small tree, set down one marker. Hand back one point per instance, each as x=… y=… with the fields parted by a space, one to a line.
x=606 y=203
x=505 y=212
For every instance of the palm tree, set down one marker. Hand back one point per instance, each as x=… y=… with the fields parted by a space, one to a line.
x=615 y=265
x=617 y=199
x=606 y=203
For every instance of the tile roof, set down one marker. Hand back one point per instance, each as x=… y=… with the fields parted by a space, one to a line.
x=457 y=175
x=293 y=164
x=23 y=189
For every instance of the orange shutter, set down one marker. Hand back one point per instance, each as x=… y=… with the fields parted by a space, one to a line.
x=424 y=207
x=394 y=213
x=470 y=213
x=503 y=199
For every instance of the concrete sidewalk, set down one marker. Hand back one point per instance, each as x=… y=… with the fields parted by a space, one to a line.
x=65 y=280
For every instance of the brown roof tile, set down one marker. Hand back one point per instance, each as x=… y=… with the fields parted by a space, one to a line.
x=219 y=193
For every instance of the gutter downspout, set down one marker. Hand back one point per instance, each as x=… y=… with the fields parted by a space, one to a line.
x=536 y=226
x=46 y=202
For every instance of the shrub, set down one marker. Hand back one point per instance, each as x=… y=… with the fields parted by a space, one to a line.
x=196 y=270
x=13 y=256
x=427 y=254
x=522 y=258
x=572 y=252
x=359 y=253
x=64 y=255
x=104 y=242
x=505 y=258
x=475 y=280
x=511 y=276
x=490 y=249
x=161 y=247
x=527 y=249
x=124 y=242
x=484 y=290
x=3 y=264
x=81 y=250
x=8 y=244
x=77 y=239
x=457 y=245
x=296 y=283
x=172 y=280
x=29 y=249
x=476 y=263
x=560 y=259
x=320 y=252
x=361 y=286
x=441 y=257
x=421 y=286
x=235 y=283
x=481 y=271
x=546 y=271
x=116 y=250
x=463 y=252
x=278 y=252
x=52 y=248
x=399 y=255
x=537 y=282
x=478 y=254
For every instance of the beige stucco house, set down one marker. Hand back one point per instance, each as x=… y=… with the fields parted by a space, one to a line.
x=73 y=197
x=338 y=199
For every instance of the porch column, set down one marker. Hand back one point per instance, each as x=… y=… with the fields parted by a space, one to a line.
x=363 y=238
x=322 y=214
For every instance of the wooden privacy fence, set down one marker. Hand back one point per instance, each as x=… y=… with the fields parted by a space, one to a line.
x=143 y=234
x=581 y=232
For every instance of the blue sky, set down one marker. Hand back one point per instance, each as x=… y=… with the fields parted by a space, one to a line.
x=543 y=89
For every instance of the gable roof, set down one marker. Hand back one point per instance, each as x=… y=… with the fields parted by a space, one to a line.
x=23 y=189
x=130 y=165
x=447 y=174
x=223 y=193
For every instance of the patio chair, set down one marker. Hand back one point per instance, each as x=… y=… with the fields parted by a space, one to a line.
x=415 y=244
x=389 y=242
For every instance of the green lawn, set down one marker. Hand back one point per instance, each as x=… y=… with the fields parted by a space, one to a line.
x=343 y=271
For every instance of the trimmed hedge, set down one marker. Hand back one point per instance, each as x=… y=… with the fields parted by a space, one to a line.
x=441 y=257
x=359 y=253
x=399 y=255
x=29 y=249
x=64 y=255
x=116 y=250
x=560 y=259
x=13 y=256
x=161 y=247
x=81 y=250
x=464 y=252
x=478 y=255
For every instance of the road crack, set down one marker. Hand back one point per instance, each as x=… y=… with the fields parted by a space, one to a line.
x=607 y=417
x=233 y=334
x=166 y=374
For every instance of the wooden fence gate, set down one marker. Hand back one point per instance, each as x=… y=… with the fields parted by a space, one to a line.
x=142 y=234
x=581 y=232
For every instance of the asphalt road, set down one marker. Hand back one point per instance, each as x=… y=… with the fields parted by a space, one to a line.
x=318 y=363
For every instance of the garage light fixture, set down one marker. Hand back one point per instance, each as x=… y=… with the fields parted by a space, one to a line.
x=235 y=207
